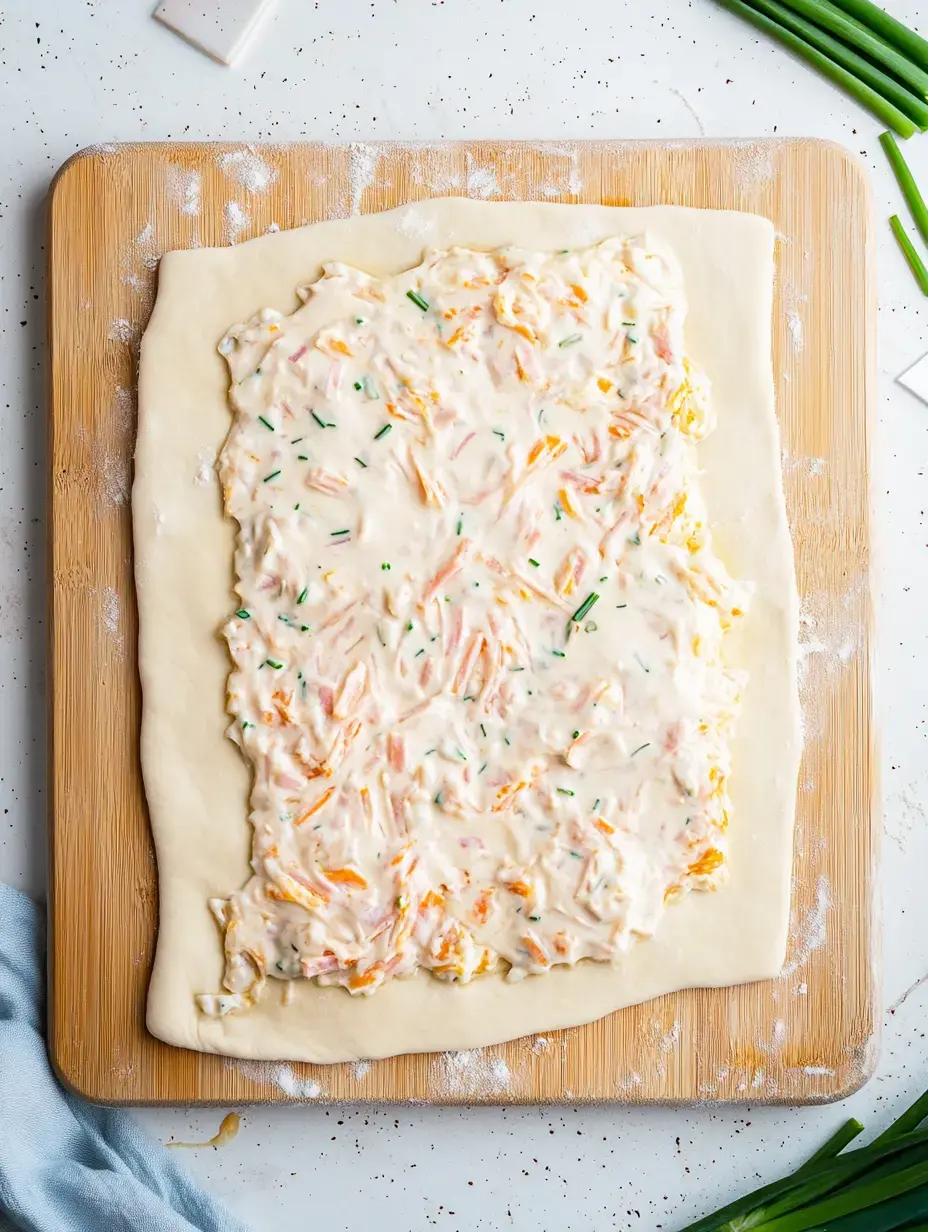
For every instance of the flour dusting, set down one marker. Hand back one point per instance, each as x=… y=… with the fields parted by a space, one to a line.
x=540 y=1044
x=830 y=629
x=147 y=249
x=236 y=219
x=470 y=1073
x=247 y=168
x=794 y=325
x=121 y=330
x=414 y=224
x=818 y=1071
x=810 y=933
x=272 y=1074
x=184 y=189
x=206 y=466
x=362 y=1069
x=362 y=163
x=481 y=181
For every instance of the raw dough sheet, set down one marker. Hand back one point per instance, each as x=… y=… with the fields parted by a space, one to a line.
x=197 y=783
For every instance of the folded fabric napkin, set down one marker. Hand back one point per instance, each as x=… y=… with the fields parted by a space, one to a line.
x=67 y=1165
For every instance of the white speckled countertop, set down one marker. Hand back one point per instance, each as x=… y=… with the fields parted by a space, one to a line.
x=96 y=71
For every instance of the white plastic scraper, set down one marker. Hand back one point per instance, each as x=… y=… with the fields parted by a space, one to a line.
x=916 y=378
x=221 y=28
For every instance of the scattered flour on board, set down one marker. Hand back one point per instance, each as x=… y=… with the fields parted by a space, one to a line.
x=469 y=1073
x=183 y=189
x=809 y=933
x=362 y=163
x=794 y=325
x=147 y=249
x=110 y=615
x=361 y=1069
x=540 y=1044
x=271 y=228
x=666 y=1040
x=272 y=1074
x=818 y=1071
x=121 y=330
x=481 y=181
x=247 y=168
x=236 y=218
x=111 y=464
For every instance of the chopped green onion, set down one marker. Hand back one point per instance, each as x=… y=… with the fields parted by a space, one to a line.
x=304 y=628
x=909 y=251
x=646 y=745
x=273 y=663
x=418 y=300
x=901 y=96
x=383 y=431
x=596 y=804
x=570 y=340
x=269 y=426
x=913 y=198
x=361 y=463
x=483 y=767
x=866 y=96
x=641 y=662
x=284 y=617
x=420 y=652
x=501 y=435
x=534 y=562
x=302 y=457
x=320 y=422
x=584 y=608
x=359 y=320
x=339 y=532
x=409 y=626
x=272 y=475
x=460 y=525
x=301 y=597
x=534 y=918
x=557 y=512
x=243 y=614
x=560 y=654
x=565 y=791
x=483 y=729
x=914 y=46
x=358 y=385
x=385 y=566
x=438 y=798
x=245 y=724
x=575 y=735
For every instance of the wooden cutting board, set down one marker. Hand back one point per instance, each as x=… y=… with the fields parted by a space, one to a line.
x=809 y=1035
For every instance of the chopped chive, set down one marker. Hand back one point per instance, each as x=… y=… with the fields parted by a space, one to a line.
x=358 y=385
x=517 y=669
x=506 y=738
x=385 y=566
x=559 y=653
x=245 y=724
x=483 y=767
x=604 y=579
x=575 y=735
x=461 y=754
x=304 y=628
x=534 y=918
x=302 y=457
x=584 y=607
x=619 y=606
x=641 y=661
x=419 y=652
x=380 y=637
x=320 y=422
x=570 y=340
x=565 y=791
x=272 y=475
x=301 y=597
x=340 y=532
x=269 y=426
x=483 y=729
x=533 y=562
x=361 y=463
x=359 y=320
x=501 y=435
x=635 y=539
x=596 y=803
x=243 y=614
x=557 y=512
x=646 y=745
x=438 y=798
x=409 y=627
x=284 y=617
x=296 y=507
x=296 y=440
x=383 y=431
x=576 y=855
x=460 y=525
x=272 y=663
x=418 y=300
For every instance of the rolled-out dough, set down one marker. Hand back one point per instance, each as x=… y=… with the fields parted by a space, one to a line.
x=196 y=781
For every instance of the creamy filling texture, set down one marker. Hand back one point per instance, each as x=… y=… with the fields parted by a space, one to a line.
x=478 y=668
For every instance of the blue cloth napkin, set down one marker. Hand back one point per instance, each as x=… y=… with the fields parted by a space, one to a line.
x=66 y=1165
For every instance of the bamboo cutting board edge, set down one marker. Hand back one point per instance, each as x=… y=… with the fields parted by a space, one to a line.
x=212 y=1080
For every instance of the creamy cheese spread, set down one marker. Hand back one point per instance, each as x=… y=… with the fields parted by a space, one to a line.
x=478 y=668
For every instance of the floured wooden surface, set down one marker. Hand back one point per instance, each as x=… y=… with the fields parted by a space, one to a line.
x=807 y=1035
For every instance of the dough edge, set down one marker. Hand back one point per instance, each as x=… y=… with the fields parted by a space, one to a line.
x=196 y=781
